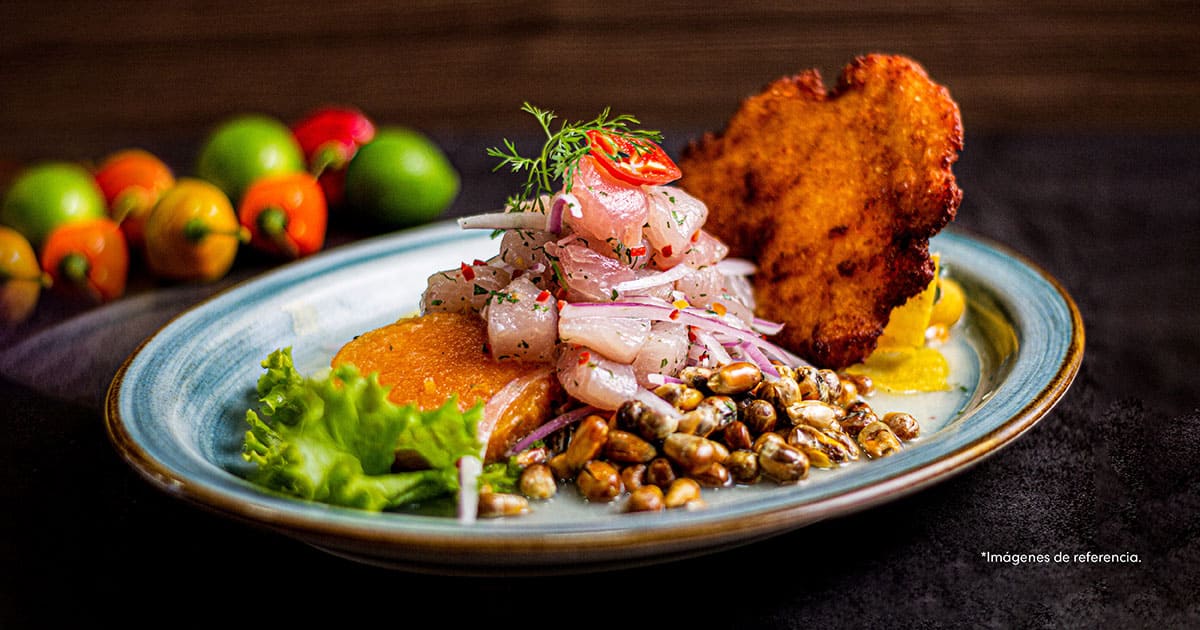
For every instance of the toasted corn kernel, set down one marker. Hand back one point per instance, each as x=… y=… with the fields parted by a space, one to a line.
x=829 y=386
x=682 y=396
x=537 y=482
x=588 y=441
x=814 y=413
x=724 y=409
x=782 y=462
x=496 y=504
x=815 y=443
x=598 y=481
x=863 y=383
x=854 y=421
x=743 y=466
x=780 y=393
x=531 y=456
x=660 y=472
x=766 y=438
x=849 y=394
x=808 y=382
x=737 y=435
x=695 y=376
x=904 y=425
x=690 y=452
x=558 y=465
x=646 y=499
x=681 y=492
x=878 y=440
x=635 y=417
x=847 y=442
x=759 y=416
x=627 y=448
x=785 y=371
x=714 y=476
x=738 y=377
x=721 y=452
x=700 y=422
x=633 y=476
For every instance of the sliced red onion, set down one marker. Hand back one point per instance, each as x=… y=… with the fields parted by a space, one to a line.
x=550 y=427
x=662 y=379
x=554 y=220
x=504 y=221
x=787 y=358
x=736 y=267
x=667 y=277
x=766 y=326
x=759 y=359
x=715 y=349
x=469 y=469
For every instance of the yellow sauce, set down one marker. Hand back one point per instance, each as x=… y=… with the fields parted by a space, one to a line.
x=904 y=361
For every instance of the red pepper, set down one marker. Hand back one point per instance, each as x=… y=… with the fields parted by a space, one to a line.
x=637 y=161
x=90 y=256
x=329 y=137
x=132 y=180
x=286 y=215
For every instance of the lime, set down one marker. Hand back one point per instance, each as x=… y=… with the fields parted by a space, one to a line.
x=48 y=195
x=401 y=178
x=246 y=148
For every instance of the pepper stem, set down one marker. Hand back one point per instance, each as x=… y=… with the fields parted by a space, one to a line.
x=42 y=278
x=127 y=202
x=331 y=155
x=273 y=222
x=196 y=229
x=75 y=267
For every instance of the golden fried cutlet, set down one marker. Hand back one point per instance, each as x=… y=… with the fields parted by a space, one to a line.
x=835 y=195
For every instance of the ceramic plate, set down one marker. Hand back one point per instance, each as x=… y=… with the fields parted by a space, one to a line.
x=176 y=410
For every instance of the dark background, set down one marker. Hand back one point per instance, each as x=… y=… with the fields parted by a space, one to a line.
x=79 y=77
x=1082 y=153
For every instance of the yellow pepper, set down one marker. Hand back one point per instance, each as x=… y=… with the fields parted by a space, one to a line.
x=193 y=233
x=21 y=279
x=903 y=362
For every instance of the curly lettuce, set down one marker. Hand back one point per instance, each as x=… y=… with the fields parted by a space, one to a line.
x=334 y=439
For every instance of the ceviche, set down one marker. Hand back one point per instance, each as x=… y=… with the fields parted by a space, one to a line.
x=654 y=377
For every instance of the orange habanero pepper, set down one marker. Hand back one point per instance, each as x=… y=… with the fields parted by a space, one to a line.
x=286 y=214
x=89 y=256
x=132 y=180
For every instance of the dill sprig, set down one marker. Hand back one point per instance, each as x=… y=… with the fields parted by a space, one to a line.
x=560 y=155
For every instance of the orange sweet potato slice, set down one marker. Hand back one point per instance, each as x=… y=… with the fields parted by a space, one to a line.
x=429 y=358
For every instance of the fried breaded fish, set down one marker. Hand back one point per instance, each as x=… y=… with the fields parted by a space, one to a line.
x=835 y=195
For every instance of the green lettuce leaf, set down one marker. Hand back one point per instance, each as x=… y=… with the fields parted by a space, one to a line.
x=334 y=439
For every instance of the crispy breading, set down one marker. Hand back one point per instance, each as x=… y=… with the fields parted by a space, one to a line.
x=835 y=195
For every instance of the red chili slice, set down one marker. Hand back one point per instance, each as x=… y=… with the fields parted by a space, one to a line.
x=635 y=161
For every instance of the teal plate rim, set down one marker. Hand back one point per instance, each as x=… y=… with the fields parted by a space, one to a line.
x=1043 y=316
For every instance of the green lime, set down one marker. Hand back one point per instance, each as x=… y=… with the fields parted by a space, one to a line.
x=246 y=148
x=48 y=195
x=401 y=178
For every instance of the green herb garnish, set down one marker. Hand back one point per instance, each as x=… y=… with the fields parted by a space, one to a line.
x=560 y=155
